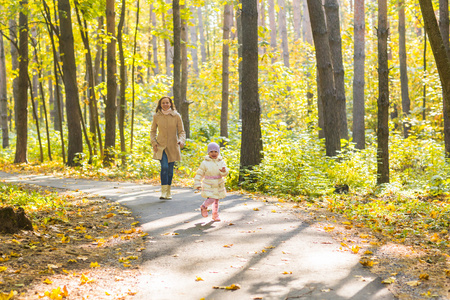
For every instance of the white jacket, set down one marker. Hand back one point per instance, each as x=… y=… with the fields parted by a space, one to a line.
x=211 y=179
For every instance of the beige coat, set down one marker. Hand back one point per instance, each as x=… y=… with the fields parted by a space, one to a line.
x=170 y=131
x=211 y=179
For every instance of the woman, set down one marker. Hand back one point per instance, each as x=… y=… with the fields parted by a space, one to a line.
x=167 y=142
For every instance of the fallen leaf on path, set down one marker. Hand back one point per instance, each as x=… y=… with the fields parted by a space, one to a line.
x=424 y=276
x=47 y=281
x=256 y=209
x=388 y=280
x=198 y=278
x=234 y=286
x=4 y=296
x=413 y=283
x=228 y=246
x=287 y=273
x=95 y=265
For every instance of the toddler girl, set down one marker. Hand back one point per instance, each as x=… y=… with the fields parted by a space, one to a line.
x=210 y=178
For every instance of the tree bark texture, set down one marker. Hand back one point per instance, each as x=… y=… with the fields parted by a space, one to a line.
x=283 y=32
x=239 y=34
x=439 y=53
x=176 y=54
x=154 y=42
x=21 y=107
x=111 y=83
x=444 y=27
x=297 y=13
x=251 y=142
x=306 y=24
x=201 y=32
x=326 y=79
x=14 y=56
x=194 y=43
x=334 y=37
x=75 y=138
x=359 y=57
x=383 y=96
x=406 y=103
x=273 y=29
x=184 y=109
x=3 y=95
x=123 y=82
x=225 y=70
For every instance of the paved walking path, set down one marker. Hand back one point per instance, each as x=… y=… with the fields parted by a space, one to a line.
x=265 y=249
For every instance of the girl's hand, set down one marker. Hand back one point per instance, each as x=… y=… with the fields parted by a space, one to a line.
x=222 y=170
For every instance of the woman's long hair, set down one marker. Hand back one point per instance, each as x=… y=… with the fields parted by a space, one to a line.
x=159 y=108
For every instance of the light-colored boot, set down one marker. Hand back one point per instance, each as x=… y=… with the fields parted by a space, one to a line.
x=163 y=192
x=168 y=194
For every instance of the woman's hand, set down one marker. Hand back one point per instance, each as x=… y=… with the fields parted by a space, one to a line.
x=181 y=145
x=155 y=148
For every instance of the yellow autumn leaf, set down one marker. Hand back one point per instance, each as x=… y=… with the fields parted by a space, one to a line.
x=269 y=247
x=286 y=273
x=13 y=254
x=355 y=249
x=413 y=283
x=256 y=209
x=368 y=252
x=3 y=269
x=230 y=287
x=72 y=260
x=344 y=244
x=424 y=276
x=388 y=280
x=65 y=240
x=328 y=228
x=95 y=265
x=85 y=279
x=363 y=236
x=435 y=238
x=47 y=281
x=447 y=272
x=228 y=246
x=367 y=262
x=198 y=278
x=5 y=296
x=347 y=223
x=108 y=216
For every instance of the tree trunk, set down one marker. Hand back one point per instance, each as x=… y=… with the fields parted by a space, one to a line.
x=225 y=70
x=326 y=79
x=439 y=52
x=194 y=43
x=283 y=32
x=123 y=84
x=297 y=12
x=184 y=109
x=251 y=142
x=306 y=28
x=383 y=96
x=424 y=94
x=133 y=93
x=406 y=103
x=111 y=85
x=98 y=55
x=273 y=30
x=239 y=34
x=14 y=56
x=154 y=42
x=21 y=107
x=3 y=95
x=334 y=36
x=261 y=21
x=444 y=27
x=70 y=82
x=359 y=56
x=176 y=54
x=201 y=32
x=168 y=47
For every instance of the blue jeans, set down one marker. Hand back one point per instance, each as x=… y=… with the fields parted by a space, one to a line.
x=166 y=170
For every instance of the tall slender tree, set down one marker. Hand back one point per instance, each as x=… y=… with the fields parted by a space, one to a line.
x=176 y=53
x=75 y=138
x=20 y=107
x=283 y=32
x=359 y=56
x=273 y=29
x=225 y=70
x=326 y=79
x=251 y=138
x=3 y=95
x=111 y=84
x=123 y=82
x=201 y=33
x=334 y=36
x=194 y=43
x=383 y=96
x=406 y=103
x=297 y=14
x=184 y=108
x=444 y=28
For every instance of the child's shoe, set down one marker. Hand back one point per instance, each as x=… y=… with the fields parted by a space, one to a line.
x=215 y=217
x=204 y=211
